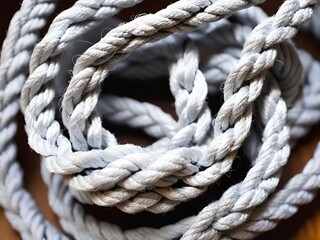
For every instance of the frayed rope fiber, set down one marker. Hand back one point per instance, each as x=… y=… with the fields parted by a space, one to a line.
x=270 y=98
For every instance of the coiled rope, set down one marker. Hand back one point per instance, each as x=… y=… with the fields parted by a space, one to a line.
x=192 y=152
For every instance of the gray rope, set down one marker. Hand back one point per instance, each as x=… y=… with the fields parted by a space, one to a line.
x=106 y=135
x=22 y=35
x=190 y=150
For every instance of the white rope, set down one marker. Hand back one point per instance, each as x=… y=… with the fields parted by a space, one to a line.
x=205 y=177
x=194 y=151
x=22 y=35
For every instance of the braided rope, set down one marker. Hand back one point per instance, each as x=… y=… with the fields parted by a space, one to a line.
x=266 y=160
x=22 y=35
x=301 y=116
x=314 y=186
x=93 y=162
x=105 y=136
x=228 y=140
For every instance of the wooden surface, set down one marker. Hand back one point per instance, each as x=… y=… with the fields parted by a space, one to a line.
x=303 y=226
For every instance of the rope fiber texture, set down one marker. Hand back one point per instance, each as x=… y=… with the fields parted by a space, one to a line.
x=269 y=99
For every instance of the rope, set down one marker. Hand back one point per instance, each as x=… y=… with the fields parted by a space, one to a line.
x=268 y=77
x=22 y=35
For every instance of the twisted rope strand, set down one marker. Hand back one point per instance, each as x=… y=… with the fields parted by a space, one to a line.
x=301 y=189
x=94 y=138
x=207 y=38
x=187 y=194
x=190 y=151
x=229 y=140
x=15 y=56
x=35 y=61
x=22 y=35
x=237 y=202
